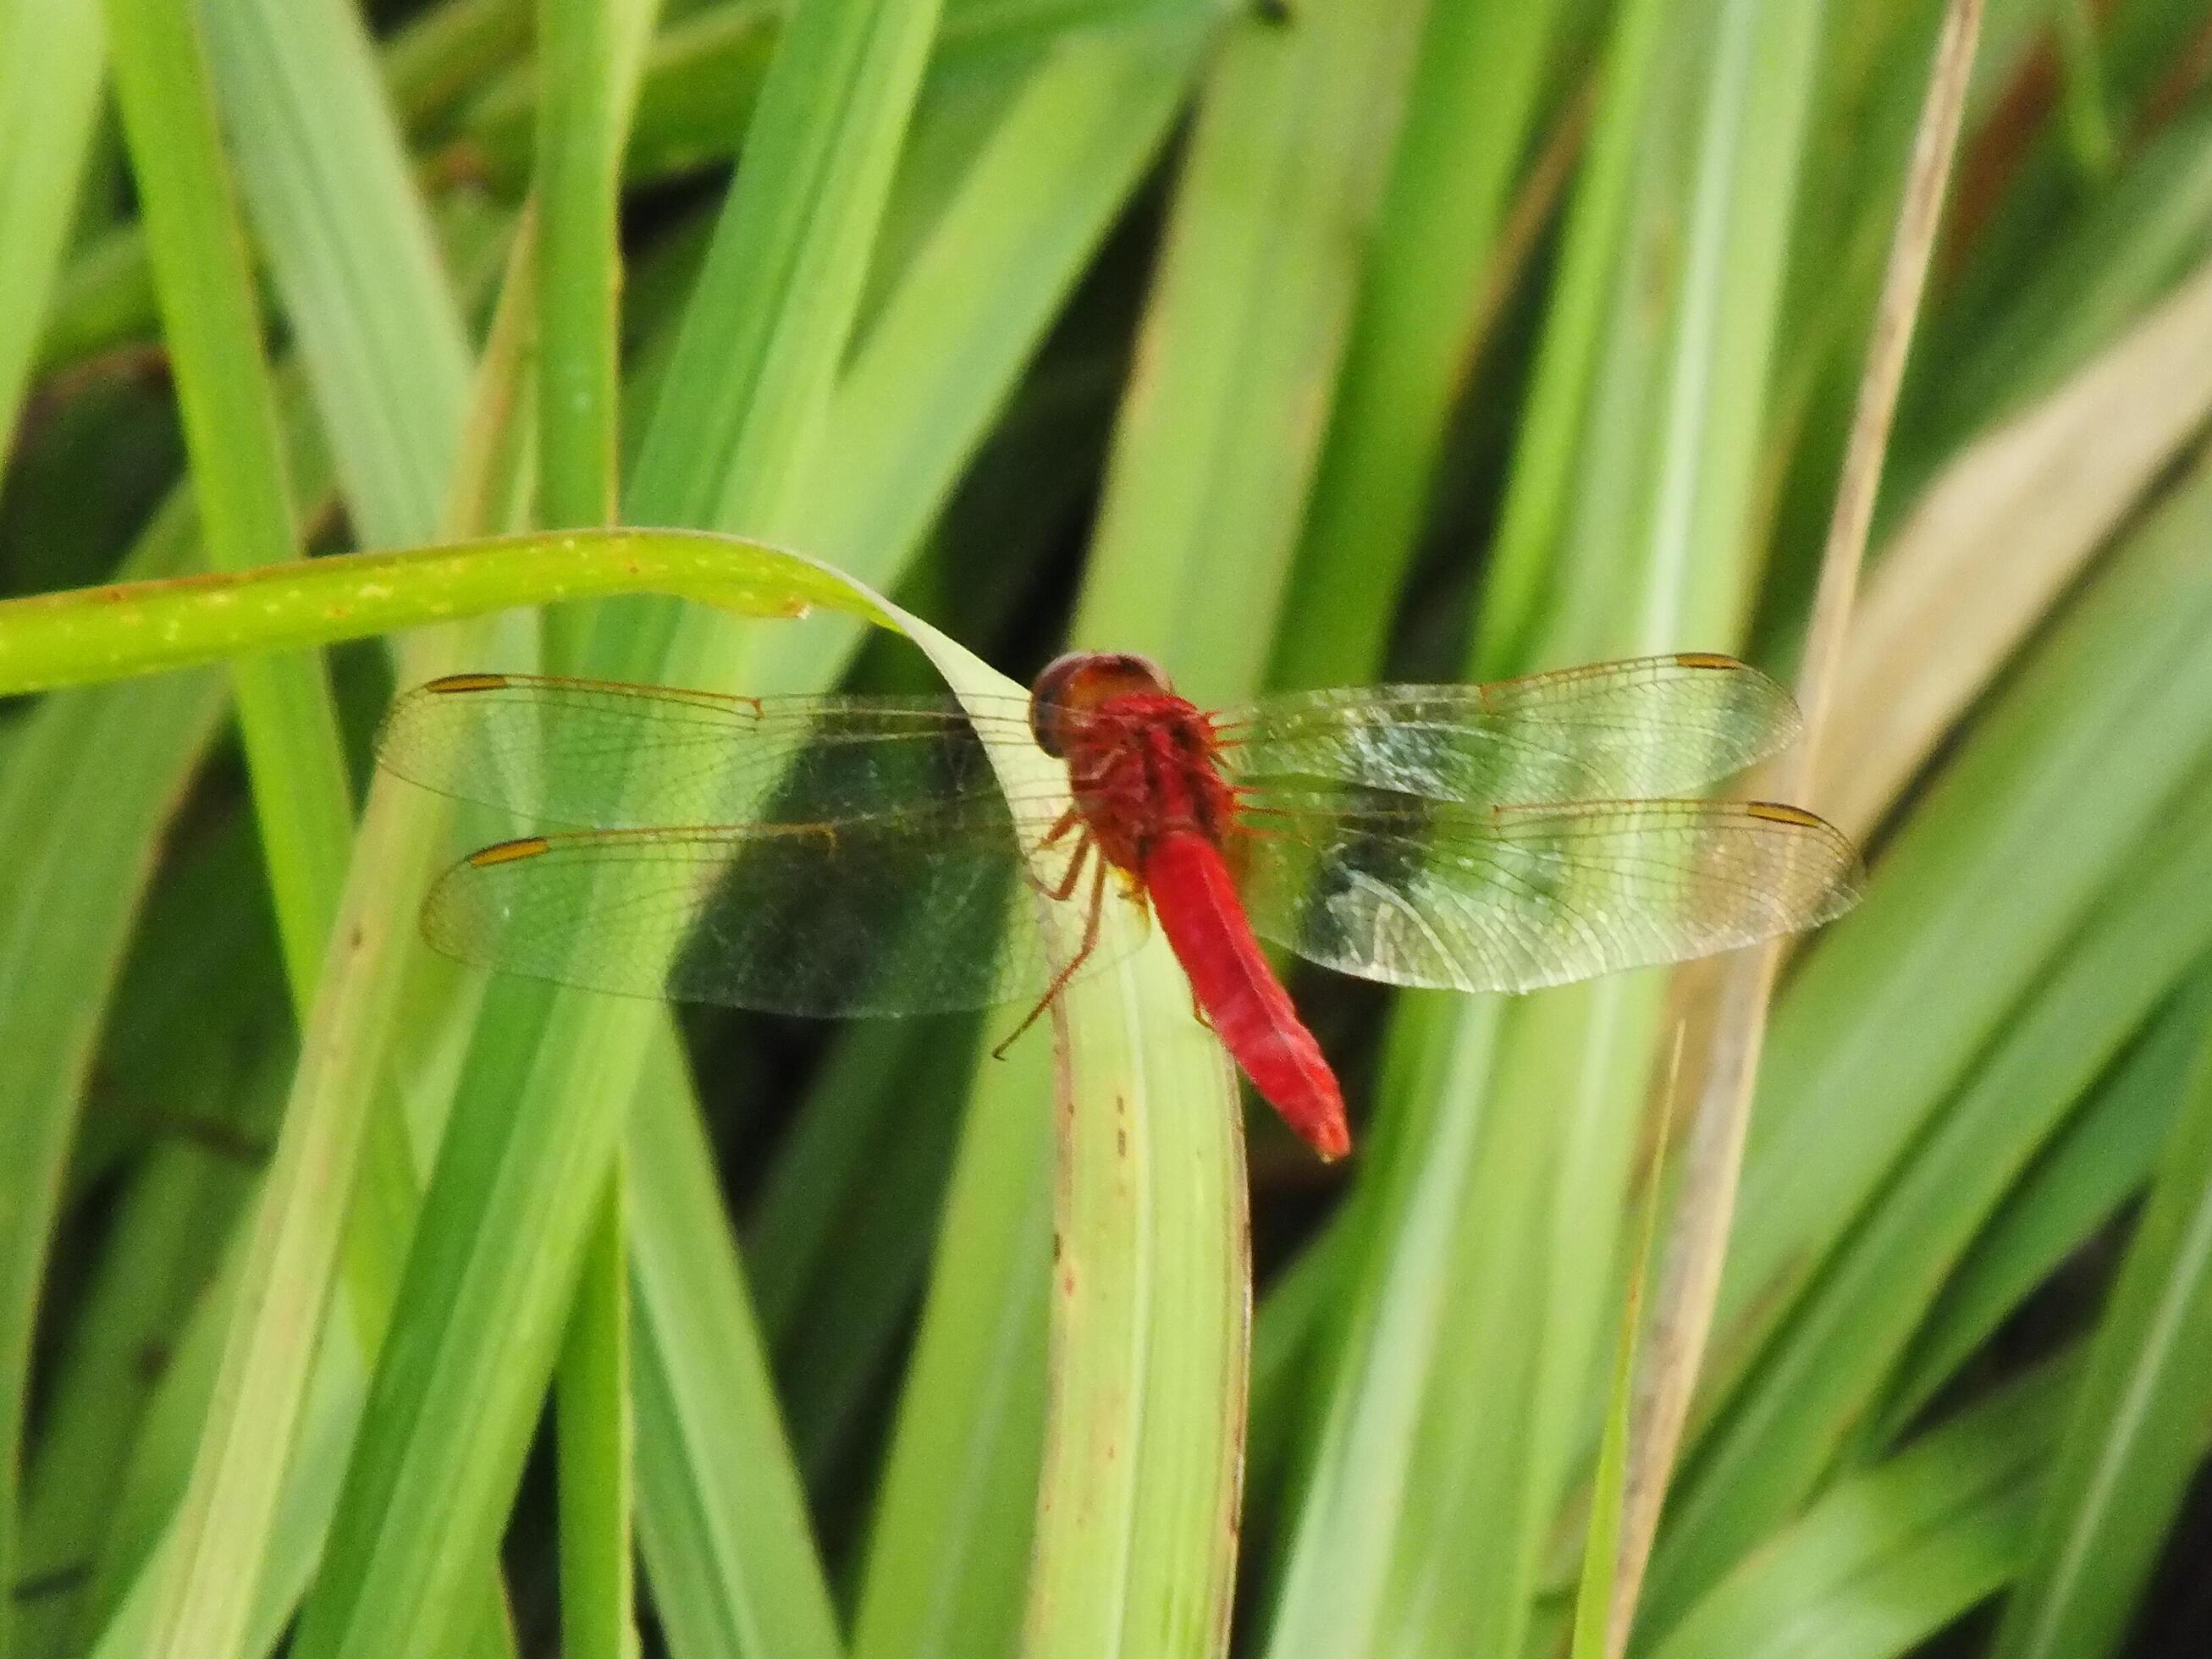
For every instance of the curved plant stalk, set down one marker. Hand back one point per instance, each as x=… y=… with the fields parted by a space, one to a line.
x=141 y=628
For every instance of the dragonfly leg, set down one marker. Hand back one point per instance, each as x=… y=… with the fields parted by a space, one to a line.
x=1071 y=819
x=1084 y=849
x=1089 y=943
x=1066 y=822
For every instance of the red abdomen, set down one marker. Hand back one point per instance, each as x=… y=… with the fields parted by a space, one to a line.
x=1197 y=905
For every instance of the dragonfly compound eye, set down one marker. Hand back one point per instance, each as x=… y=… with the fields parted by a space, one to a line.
x=1079 y=683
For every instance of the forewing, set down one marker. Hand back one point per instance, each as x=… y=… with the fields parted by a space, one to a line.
x=601 y=755
x=874 y=916
x=1651 y=727
x=1514 y=898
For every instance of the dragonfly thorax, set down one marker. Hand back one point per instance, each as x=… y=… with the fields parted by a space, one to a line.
x=1142 y=766
x=1140 y=760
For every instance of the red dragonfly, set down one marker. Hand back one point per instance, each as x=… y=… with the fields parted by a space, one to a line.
x=857 y=855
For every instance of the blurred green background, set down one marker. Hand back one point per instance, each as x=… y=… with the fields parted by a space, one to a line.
x=1293 y=343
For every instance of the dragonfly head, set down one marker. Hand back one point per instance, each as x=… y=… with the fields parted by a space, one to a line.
x=1079 y=682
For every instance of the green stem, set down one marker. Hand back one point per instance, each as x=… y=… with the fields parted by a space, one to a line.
x=142 y=628
x=597 y=1440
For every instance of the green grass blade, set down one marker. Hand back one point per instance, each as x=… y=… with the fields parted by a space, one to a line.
x=1145 y=1421
x=702 y=75
x=1893 y=1555
x=81 y=837
x=2006 y=855
x=170 y=1224
x=231 y=425
x=698 y=83
x=231 y=428
x=589 y=53
x=311 y=466
x=2118 y=261
x=1736 y=996
x=1285 y=1338
x=364 y=288
x=967 y=313
x=103 y=300
x=2137 y=1431
x=947 y=1565
x=946 y=1572
x=134 y=1603
x=768 y=324
x=944 y=354
x=106 y=300
x=214 y=1551
x=443 y=1444
x=2088 y=123
x=503 y=1227
x=596 y=1439
x=445 y=51
x=1600 y=1583
x=1135 y=1547
x=724 y=1522
x=1455 y=1399
x=1214 y=452
x=86 y=840
x=2104 y=1154
x=50 y=73
x=351 y=253
x=1823 y=1374
x=1603 y=1600
x=1367 y=1402
x=124 y=1575
x=771 y=314
x=1993 y=541
x=1296 y=265
x=221 y=1564
x=1536 y=517
x=347 y=1103
x=1468 y=118
x=838 y=1244
x=168 y=545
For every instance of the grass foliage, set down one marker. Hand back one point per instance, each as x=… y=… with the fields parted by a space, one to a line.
x=353 y=1306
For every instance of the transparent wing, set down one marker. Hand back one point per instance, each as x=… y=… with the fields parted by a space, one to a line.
x=1514 y=898
x=1651 y=727
x=809 y=855
x=920 y=915
x=599 y=755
